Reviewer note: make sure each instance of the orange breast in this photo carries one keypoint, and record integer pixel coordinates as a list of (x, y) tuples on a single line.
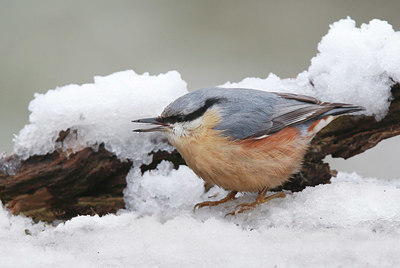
[(245, 165)]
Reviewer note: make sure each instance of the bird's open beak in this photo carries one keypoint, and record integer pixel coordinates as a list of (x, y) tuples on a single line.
[(155, 120)]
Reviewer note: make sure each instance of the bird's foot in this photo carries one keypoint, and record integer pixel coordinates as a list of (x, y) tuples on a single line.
[(230, 196), (260, 199)]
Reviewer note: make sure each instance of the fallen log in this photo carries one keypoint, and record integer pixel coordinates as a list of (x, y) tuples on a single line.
[(61, 185)]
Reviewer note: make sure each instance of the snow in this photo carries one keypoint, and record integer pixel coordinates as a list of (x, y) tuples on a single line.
[(354, 65), (101, 113), (353, 221)]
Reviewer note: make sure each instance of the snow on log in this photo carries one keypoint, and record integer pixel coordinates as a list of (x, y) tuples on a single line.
[(61, 185)]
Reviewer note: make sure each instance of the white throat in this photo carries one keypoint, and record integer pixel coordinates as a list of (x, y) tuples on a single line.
[(184, 129)]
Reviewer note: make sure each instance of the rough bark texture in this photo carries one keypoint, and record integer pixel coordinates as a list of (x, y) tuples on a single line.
[(58, 186)]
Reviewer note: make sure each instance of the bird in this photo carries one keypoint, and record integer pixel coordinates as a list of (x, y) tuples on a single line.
[(244, 140)]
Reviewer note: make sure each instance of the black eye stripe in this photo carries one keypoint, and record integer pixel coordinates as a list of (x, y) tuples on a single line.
[(192, 116), (172, 119)]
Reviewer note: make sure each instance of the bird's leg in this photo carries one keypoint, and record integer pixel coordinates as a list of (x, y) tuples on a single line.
[(261, 198), (230, 196)]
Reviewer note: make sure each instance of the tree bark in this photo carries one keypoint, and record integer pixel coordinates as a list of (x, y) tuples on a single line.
[(59, 185)]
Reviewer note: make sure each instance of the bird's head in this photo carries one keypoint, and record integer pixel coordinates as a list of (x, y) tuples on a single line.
[(185, 116)]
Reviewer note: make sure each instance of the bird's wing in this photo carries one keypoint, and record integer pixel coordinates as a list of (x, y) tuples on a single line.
[(293, 109), (269, 113)]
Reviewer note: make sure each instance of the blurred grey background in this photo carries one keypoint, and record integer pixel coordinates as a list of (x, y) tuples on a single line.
[(45, 44)]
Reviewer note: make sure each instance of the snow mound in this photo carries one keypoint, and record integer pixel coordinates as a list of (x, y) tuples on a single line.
[(354, 65), (351, 200), (101, 113), (163, 191), (351, 222)]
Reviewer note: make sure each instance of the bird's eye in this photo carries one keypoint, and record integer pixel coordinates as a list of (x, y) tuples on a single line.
[(180, 118)]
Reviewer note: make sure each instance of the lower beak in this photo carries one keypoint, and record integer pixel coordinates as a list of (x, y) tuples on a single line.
[(161, 126)]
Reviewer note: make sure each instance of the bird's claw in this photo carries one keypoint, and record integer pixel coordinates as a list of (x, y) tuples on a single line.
[(247, 206), (203, 204), (241, 208), (232, 213), (230, 196)]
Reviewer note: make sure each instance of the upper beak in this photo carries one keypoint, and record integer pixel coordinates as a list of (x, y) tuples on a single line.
[(154, 120)]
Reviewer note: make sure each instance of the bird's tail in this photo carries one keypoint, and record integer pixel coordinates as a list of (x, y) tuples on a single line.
[(341, 108)]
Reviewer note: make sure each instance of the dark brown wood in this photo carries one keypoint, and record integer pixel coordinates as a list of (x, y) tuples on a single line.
[(61, 185)]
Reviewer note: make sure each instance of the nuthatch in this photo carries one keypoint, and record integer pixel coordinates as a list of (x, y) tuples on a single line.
[(244, 139)]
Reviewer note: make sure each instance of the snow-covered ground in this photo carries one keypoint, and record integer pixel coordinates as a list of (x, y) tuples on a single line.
[(352, 222)]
